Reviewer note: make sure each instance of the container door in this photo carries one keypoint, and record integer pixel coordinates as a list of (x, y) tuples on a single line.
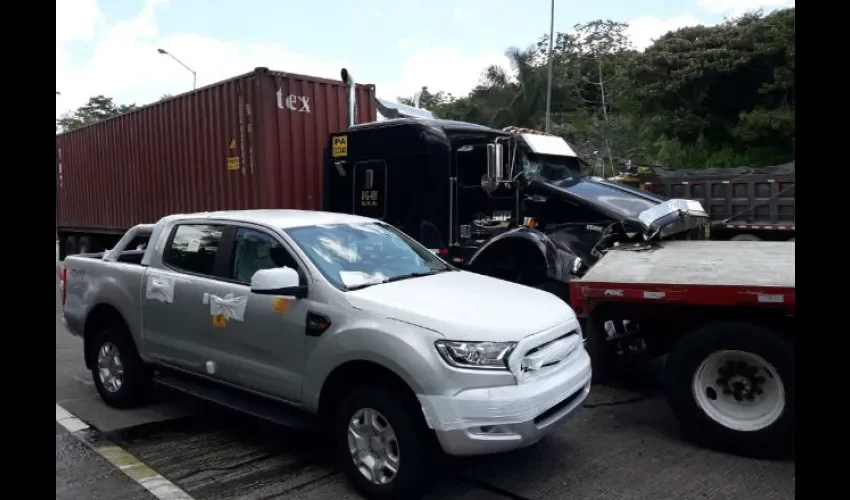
[(370, 189)]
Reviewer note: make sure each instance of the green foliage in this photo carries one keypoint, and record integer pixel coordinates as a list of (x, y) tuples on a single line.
[(699, 97), (96, 109)]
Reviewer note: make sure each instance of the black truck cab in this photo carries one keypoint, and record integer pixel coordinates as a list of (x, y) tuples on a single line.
[(502, 203)]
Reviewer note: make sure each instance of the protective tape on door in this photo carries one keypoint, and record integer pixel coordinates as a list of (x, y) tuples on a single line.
[(229, 306)]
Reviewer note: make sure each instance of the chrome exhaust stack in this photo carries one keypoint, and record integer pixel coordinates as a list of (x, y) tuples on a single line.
[(351, 105)]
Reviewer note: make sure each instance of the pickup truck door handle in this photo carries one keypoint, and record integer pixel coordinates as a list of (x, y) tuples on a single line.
[(316, 324)]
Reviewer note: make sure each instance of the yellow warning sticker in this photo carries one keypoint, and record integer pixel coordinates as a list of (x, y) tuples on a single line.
[(233, 163), (339, 146), (280, 304), (219, 321), (232, 144)]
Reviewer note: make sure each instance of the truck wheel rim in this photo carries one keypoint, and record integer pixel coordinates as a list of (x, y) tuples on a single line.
[(373, 446), (739, 390), (110, 370)]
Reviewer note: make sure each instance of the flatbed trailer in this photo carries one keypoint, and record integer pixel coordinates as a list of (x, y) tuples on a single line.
[(723, 312)]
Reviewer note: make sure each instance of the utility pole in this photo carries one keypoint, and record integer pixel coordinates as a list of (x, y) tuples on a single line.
[(549, 82)]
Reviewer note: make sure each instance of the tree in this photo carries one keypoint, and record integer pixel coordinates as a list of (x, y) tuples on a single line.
[(96, 109), (726, 92), (701, 96)]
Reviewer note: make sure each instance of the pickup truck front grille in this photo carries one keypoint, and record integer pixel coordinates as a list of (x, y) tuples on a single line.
[(550, 353)]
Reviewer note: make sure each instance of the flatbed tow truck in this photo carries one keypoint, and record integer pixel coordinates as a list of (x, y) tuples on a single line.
[(725, 314)]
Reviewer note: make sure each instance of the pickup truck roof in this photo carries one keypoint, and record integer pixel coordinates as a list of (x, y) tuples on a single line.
[(281, 219)]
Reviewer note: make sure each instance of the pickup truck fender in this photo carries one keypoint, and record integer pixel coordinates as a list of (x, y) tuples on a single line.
[(405, 350), (102, 300), (529, 251)]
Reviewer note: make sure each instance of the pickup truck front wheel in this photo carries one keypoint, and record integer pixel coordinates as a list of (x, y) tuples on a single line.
[(382, 444), (119, 374)]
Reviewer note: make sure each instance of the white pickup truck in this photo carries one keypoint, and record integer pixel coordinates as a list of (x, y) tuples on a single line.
[(313, 318)]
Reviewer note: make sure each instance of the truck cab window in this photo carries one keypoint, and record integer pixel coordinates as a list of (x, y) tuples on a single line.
[(550, 168), (193, 248), (254, 251)]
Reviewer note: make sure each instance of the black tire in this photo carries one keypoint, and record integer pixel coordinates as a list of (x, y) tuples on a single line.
[(136, 377), (71, 245), (85, 245), (416, 457), (777, 439)]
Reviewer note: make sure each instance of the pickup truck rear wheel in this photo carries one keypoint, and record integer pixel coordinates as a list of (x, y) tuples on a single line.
[(731, 386), (119, 374), (383, 444)]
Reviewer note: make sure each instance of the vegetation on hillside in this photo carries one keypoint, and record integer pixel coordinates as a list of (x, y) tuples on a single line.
[(701, 96)]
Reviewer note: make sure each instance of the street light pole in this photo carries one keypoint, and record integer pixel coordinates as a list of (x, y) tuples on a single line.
[(194, 75), (549, 82)]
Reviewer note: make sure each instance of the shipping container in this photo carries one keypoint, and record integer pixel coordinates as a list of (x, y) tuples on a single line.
[(253, 141)]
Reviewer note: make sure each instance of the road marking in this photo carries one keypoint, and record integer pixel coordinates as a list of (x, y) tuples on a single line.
[(135, 469)]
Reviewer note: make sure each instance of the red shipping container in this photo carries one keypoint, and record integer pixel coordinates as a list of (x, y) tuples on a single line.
[(253, 141)]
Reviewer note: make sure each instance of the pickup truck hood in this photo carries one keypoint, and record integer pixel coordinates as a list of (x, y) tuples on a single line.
[(465, 306)]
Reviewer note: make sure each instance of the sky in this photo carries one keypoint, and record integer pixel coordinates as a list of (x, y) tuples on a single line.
[(110, 47)]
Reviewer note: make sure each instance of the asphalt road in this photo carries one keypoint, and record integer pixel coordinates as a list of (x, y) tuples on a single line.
[(620, 446)]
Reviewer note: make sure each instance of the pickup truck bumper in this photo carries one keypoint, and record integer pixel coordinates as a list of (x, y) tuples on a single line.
[(496, 419)]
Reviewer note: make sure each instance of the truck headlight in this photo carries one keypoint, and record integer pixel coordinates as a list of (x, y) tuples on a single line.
[(478, 355)]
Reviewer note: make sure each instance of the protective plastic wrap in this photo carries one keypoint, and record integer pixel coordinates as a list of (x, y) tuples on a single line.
[(531, 366), (539, 388), (160, 288), (230, 306), (534, 394)]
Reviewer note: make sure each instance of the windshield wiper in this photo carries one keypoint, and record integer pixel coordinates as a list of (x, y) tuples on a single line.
[(396, 278)]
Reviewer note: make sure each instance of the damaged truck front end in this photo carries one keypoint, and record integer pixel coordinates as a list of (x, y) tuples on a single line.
[(569, 222)]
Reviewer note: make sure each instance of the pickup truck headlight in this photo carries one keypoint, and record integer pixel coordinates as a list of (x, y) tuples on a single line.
[(477, 355)]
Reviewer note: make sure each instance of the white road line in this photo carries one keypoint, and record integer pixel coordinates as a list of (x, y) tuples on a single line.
[(135, 469)]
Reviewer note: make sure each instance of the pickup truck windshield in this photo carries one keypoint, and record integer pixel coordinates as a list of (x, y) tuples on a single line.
[(353, 256)]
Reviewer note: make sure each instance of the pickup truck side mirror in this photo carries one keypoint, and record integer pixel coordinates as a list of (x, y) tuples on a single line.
[(282, 281)]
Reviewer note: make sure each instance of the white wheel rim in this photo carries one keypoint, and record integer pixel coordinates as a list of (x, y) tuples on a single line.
[(739, 390)]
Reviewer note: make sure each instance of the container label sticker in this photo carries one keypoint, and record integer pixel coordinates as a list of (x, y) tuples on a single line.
[(194, 245), (339, 146), (281, 304), (233, 163)]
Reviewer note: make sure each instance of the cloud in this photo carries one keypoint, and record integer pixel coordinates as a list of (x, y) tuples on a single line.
[(644, 30), (124, 62), (438, 68), (738, 7)]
